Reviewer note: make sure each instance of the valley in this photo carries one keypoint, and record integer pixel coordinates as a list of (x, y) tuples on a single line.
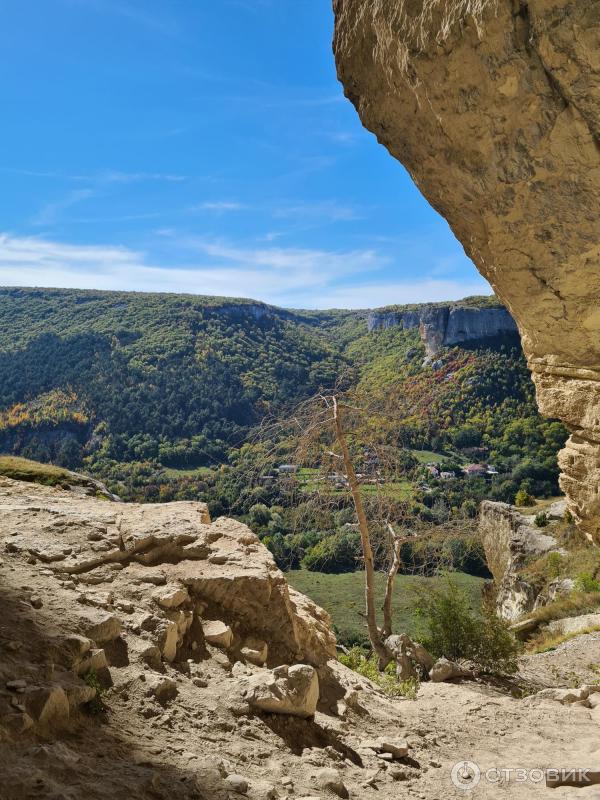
[(174, 397), (254, 550)]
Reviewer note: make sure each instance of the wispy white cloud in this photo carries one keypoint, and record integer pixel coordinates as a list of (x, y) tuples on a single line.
[(31, 173), (316, 266), (383, 293), (329, 210), (116, 176), (98, 183), (100, 220), (299, 278), (102, 177), (219, 206), (49, 213), (271, 236), (343, 137)]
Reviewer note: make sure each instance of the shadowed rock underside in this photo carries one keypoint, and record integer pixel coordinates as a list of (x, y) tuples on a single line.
[(494, 109)]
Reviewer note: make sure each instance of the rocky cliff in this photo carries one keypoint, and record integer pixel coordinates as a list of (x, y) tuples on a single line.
[(511, 540), (444, 326), (494, 108)]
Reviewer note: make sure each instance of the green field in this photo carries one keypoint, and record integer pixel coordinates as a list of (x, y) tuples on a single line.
[(429, 456), (196, 472), (343, 597), (308, 479), (399, 490)]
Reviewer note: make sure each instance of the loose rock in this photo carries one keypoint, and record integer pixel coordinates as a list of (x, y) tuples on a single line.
[(330, 779), (445, 670), (218, 633), (285, 690)]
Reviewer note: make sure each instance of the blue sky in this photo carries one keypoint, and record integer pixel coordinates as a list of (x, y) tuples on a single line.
[(203, 146)]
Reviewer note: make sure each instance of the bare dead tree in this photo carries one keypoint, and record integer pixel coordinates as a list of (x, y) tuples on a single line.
[(396, 542), (375, 635), (333, 431)]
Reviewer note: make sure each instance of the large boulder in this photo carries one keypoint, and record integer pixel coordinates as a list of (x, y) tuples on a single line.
[(446, 670), (413, 661), (285, 690), (494, 109), (194, 570)]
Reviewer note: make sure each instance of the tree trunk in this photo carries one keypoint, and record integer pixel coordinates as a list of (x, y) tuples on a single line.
[(396, 542), (374, 632)]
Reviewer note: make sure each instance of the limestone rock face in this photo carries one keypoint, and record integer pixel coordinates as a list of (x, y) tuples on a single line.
[(497, 119), (167, 571), (447, 325), (510, 540)]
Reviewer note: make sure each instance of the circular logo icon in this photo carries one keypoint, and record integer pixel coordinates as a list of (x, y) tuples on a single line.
[(466, 775)]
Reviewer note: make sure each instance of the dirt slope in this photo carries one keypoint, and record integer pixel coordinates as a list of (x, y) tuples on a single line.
[(128, 594)]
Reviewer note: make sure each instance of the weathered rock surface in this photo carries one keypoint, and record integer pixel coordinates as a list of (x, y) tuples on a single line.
[(175, 724), (330, 779), (564, 696), (510, 540), (413, 661), (497, 119), (217, 633), (397, 748), (170, 546), (445, 670), (447, 325), (285, 690), (572, 625)]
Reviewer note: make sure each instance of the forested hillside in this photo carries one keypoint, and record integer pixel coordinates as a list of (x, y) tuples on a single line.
[(112, 377), (162, 396)]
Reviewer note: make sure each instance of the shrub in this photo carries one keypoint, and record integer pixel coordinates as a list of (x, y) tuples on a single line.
[(337, 553), (554, 564), (469, 508), (96, 704), (523, 498), (453, 630), (541, 519), (259, 515), (357, 660), (585, 582)]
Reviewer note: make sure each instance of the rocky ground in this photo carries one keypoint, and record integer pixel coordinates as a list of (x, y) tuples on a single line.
[(146, 652)]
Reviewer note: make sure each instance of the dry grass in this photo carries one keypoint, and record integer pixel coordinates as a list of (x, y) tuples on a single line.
[(571, 605), (22, 469), (582, 560), (403, 28), (550, 640)]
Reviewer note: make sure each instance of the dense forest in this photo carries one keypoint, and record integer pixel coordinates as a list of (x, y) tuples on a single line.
[(163, 397)]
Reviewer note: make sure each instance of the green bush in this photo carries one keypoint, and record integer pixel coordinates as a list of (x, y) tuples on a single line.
[(451, 628), (523, 498), (337, 553), (357, 660), (541, 519), (96, 704), (554, 564), (259, 515), (586, 582)]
